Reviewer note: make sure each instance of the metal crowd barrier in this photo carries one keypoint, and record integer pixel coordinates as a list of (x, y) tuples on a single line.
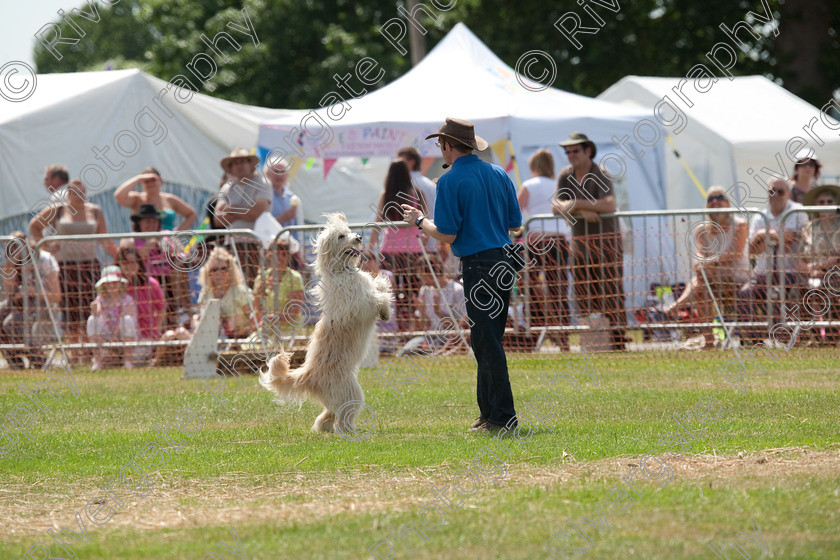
[(812, 279), (656, 248)]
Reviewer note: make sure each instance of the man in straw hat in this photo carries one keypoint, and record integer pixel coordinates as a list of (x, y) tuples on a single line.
[(241, 200), (475, 207), (821, 251), (585, 190)]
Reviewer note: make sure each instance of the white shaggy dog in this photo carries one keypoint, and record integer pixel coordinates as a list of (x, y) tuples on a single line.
[(351, 301)]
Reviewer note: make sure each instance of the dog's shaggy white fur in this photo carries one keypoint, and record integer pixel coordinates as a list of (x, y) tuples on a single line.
[(351, 301)]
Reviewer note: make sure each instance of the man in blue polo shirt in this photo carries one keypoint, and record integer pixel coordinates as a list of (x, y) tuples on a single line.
[(475, 207)]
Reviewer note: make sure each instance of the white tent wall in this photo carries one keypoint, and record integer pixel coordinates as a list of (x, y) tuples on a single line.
[(484, 90), (737, 126), (71, 114)]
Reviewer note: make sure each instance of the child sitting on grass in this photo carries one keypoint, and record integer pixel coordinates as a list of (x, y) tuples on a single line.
[(113, 318)]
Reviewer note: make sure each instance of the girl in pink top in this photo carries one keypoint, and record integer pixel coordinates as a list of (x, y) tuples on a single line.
[(148, 298), (402, 244)]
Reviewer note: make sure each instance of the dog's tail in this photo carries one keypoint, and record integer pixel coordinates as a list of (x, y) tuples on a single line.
[(277, 378)]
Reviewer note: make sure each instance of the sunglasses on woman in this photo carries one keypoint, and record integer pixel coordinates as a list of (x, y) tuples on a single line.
[(719, 197)]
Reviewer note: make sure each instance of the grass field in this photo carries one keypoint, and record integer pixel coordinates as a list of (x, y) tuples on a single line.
[(176, 468)]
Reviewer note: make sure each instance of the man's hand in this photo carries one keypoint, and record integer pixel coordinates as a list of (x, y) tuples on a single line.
[(561, 207), (287, 215), (410, 214), (590, 216)]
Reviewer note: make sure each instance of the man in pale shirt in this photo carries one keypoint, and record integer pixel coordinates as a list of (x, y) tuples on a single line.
[(56, 178), (241, 200), (285, 205), (765, 231), (423, 185)]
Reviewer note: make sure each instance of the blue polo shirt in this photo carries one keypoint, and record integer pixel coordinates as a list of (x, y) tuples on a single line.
[(476, 202)]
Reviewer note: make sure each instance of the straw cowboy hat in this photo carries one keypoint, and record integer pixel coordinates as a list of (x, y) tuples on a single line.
[(461, 131), (239, 153), (811, 196), (576, 138)]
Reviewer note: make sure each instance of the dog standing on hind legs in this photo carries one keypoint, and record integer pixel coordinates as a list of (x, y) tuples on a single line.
[(351, 301)]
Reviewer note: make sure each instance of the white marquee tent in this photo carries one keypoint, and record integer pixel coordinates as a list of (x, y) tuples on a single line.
[(70, 115), (736, 126), (462, 77)]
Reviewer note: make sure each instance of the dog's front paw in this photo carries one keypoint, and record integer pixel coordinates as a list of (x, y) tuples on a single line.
[(385, 312), (382, 283)]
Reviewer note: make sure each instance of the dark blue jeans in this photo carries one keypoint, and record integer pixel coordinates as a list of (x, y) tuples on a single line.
[(488, 297)]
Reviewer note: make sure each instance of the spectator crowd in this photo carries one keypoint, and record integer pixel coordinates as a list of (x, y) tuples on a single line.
[(105, 311)]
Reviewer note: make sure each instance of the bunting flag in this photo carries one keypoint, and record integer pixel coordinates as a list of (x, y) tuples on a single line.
[(425, 164), (328, 164), (198, 237), (498, 148), (365, 160), (309, 163), (294, 166), (513, 165), (509, 167)]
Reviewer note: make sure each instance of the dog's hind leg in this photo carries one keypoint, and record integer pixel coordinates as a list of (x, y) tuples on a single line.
[(324, 422), (348, 410)]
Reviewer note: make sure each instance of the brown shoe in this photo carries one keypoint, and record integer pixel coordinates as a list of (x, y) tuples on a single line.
[(488, 427), (477, 424)]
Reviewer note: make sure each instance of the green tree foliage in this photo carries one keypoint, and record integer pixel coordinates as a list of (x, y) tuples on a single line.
[(118, 40), (303, 43)]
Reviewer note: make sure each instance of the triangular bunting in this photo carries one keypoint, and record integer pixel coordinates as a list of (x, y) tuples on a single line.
[(309, 163), (425, 164), (498, 148), (294, 166), (365, 160), (513, 163), (328, 164)]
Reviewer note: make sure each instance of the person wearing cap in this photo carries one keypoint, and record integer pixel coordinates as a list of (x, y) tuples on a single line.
[(475, 209), (240, 202), (821, 246), (806, 171), (169, 205), (112, 313), (586, 190)]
